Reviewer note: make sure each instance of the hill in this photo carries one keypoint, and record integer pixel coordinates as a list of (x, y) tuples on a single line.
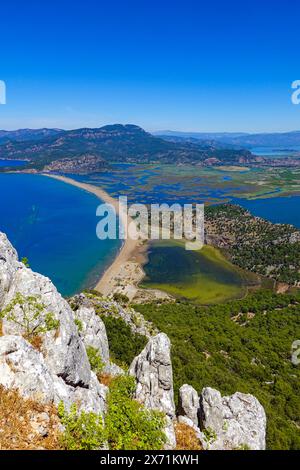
[(274, 140), (22, 135), (120, 143)]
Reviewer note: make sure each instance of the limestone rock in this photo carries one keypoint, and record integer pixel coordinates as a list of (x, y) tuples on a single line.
[(8, 266), (232, 422), (189, 403), (152, 369), (93, 399), (114, 370), (63, 350), (93, 331), (23, 368)]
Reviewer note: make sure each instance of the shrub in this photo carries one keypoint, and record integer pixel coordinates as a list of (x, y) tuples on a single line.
[(95, 359), (32, 319), (186, 438), (124, 345), (121, 298), (24, 260), (79, 324), (130, 426), (83, 431)]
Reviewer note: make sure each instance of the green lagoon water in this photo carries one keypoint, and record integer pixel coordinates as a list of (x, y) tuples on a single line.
[(203, 276), (53, 224)]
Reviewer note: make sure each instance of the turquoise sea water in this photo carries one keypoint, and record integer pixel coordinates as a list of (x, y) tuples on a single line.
[(53, 224)]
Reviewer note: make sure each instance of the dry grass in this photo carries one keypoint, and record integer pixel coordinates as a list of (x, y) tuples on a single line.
[(36, 341), (186, 438), (16, 417), (105, 379)]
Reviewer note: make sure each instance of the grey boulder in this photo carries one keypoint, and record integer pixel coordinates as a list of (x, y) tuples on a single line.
[(232, 422)]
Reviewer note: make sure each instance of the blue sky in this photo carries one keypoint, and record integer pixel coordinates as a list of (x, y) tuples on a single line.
[(184, 65)]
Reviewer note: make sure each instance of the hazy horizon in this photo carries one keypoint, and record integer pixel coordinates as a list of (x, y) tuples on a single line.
[(154, 131)]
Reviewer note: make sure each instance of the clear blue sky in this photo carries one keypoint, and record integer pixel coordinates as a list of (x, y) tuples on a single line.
[(184, 65)]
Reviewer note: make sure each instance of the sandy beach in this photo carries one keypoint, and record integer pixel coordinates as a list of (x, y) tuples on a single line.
[(130, 247)]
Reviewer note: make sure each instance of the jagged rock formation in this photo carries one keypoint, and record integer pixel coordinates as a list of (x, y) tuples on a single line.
[(238, 421), (93, 332), (61, 371), (58, 368), (231, 422), (152, 370), (189, 403), (109, 307)]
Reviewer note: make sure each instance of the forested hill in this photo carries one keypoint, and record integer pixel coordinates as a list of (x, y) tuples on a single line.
[(255, 244), (127, 143)]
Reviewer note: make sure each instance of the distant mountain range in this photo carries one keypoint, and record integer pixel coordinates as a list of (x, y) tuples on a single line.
[(22, 135), (271, 140), (115, 143)]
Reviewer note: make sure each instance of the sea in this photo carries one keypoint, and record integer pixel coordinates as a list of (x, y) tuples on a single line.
[(53, 224)]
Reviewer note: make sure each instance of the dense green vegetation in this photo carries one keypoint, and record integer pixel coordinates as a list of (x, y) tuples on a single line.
[(255, 244), (124, 345), (95, 359), (242, 346), (129, 426), (204, 276), (83, 431)]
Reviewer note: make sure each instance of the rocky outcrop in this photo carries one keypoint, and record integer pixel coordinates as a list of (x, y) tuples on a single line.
[(92, 331), (152, 370), (188, 404), (61, 370), (23, 368), (109, 307), (57, 369), (232, 422), (63, 351)]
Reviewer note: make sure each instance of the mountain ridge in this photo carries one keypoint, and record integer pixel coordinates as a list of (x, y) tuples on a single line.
[(120, 143)]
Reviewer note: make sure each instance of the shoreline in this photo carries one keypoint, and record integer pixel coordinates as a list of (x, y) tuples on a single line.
[(129, 249)]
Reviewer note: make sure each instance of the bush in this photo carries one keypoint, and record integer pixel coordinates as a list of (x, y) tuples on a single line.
[(130, 426), (121, 298), (32, 319), (95, 359), (83, 431), (123, 344)]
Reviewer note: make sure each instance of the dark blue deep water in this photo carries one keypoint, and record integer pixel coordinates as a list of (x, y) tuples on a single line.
[(53, 224), (283, 210), (12, 163)]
